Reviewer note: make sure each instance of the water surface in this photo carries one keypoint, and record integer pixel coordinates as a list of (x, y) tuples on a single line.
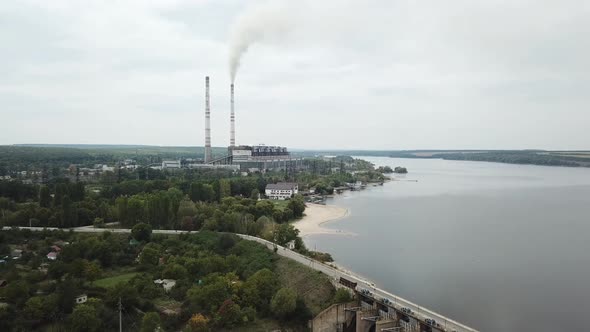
[(496, 246)]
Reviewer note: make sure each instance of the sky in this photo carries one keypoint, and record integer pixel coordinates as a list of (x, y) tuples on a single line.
[(330, 74)]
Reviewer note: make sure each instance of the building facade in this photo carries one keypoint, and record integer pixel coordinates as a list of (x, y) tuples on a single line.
[(281, 190)]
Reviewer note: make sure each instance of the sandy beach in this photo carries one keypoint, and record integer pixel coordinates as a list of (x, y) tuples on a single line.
[(316, 215)]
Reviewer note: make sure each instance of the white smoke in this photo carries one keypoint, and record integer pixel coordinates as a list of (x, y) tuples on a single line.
[(270, 21)]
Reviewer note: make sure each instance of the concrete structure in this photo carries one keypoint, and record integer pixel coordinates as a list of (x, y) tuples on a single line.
[(247, 157), (281, 190), (208, 155), (233, 168), (260, 157), (334, 318), (171, 164), (232, 134)]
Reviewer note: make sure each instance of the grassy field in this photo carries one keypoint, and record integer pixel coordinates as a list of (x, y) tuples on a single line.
[(280, 204), (314, 287), (112, 281)]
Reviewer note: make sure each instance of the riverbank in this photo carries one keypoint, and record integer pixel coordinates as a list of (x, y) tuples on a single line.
[(316, 215)]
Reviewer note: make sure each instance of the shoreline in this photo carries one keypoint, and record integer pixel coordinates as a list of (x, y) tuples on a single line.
[(316, 215)]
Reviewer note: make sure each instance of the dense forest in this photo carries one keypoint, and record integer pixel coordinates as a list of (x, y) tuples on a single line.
[(206, 281)]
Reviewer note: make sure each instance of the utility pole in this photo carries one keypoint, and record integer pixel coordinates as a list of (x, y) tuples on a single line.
[(120, 316)]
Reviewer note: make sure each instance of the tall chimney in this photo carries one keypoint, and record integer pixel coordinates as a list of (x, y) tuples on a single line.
[(232, 135), (207, 122)]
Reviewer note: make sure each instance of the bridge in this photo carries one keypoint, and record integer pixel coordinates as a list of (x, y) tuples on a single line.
[(377, 305)]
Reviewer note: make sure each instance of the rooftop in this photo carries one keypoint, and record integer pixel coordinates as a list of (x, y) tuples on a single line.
[(281, 186)]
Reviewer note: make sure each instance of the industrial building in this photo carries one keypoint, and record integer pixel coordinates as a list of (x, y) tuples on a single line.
[(245, 157), (281, 190)]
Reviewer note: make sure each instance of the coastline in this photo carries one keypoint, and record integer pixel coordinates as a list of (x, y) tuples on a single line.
[(316, 215)]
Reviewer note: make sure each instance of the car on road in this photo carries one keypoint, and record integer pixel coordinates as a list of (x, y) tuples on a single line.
[(386, 301), (430, 321), (406, 310), (365, 292)]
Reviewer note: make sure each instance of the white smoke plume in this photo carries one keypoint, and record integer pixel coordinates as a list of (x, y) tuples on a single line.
[(270, 22)]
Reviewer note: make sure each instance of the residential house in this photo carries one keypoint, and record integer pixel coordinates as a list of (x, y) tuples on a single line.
[(167, 284), (82, 298)]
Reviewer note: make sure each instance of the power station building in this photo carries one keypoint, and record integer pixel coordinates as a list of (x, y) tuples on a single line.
[(245, 157)]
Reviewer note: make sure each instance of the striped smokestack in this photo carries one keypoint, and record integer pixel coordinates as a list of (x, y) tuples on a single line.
[(207, 122), (232, 134)]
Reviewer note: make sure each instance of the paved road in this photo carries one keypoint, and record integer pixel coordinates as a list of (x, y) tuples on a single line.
[(418, 312)]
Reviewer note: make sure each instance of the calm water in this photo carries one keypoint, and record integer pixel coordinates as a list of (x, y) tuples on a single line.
[(498, 247)]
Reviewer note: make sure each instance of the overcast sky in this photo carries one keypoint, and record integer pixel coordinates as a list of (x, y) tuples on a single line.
[(342, 74)]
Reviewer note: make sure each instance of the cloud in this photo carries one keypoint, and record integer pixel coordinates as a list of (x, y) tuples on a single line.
[(400, 74)]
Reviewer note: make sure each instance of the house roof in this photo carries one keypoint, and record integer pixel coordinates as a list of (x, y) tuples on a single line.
[(281, 186)]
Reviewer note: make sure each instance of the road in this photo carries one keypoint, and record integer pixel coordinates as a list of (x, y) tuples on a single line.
[(418, 312)]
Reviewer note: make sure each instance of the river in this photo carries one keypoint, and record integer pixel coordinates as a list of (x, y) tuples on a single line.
[(498, 247)]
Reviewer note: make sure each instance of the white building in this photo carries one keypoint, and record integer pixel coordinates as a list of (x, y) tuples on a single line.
[(81, 299), (167, 284), (281, 190), (170, 164)]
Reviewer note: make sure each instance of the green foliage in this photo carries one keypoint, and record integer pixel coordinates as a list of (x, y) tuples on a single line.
[(16, 292), (258, 290), (285, 233), (174, 271), (283, 303), (211, 294), (115, 280), (150, 322), (342, 296), (229, 314), (142, 232), (297, 205), (84, 318)]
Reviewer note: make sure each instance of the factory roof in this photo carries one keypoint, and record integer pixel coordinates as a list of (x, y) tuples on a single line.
[(281, 186)]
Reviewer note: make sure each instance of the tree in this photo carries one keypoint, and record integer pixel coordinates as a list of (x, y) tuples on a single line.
[(259, 288), (255, 194), (17, 292), (283, 303), (211, 294), (142, 232), (342, 296), (34, 308), (44, 197), (224, 188), (84, 318), (285, 233), (198, 323), (174, 271), (70, 214), (149, 256), (91, 271), (124, 291), (229, 314), (135, 210), (121, 204), (151, 322), (297, 205)]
